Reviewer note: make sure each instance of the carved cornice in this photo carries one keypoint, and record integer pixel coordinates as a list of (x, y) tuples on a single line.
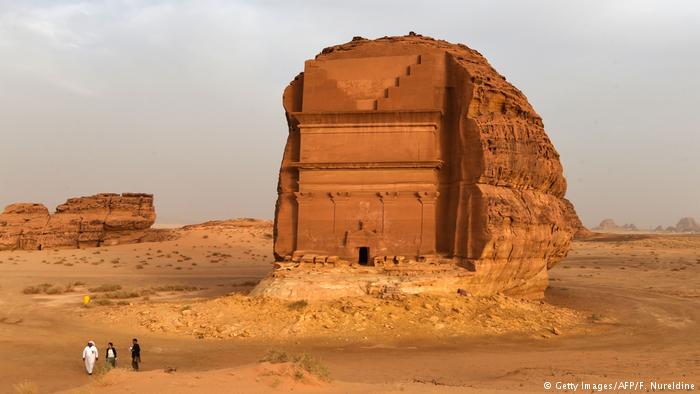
[(369, 165)]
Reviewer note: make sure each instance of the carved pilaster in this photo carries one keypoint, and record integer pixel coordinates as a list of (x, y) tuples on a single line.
[(387, 199), (340, 207), (428, 201)]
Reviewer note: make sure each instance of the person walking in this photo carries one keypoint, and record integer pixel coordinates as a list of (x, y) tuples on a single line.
[(90, 356), (135, 354), (111, 355)]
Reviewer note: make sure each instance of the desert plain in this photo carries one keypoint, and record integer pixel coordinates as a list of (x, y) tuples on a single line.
[(619, 308)]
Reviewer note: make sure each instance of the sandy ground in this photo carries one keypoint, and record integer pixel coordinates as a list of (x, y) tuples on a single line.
[(620, 308)]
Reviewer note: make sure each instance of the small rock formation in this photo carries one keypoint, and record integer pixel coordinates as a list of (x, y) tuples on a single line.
[(413, 162), (609, 225), (687, 225), (102, 219)]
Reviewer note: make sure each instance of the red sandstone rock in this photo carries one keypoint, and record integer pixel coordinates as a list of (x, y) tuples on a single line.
[(21, 225), (580, 230), (102, 219), (415, 147)]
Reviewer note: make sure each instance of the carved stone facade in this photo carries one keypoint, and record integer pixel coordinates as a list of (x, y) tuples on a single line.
[(414, 149)]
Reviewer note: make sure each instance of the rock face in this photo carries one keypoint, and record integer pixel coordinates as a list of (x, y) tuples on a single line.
[(102, 219), (406, 150), (580, 231)]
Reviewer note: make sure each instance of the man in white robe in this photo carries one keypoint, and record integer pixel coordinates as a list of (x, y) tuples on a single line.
[(90, 356)]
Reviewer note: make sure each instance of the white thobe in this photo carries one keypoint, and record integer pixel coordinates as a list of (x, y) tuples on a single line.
[(90, 355)]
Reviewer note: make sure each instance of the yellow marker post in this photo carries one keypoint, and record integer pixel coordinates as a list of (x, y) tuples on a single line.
[(86, 300)]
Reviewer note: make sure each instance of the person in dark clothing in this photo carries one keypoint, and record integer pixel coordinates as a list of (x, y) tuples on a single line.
[(111, 355), (135, 354)]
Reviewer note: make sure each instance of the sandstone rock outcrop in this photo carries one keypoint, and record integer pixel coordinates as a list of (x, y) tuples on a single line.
[(411, 149), (102, 219), (580, 231)]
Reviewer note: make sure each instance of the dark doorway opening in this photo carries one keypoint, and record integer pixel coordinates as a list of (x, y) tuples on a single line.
[(363, 258)]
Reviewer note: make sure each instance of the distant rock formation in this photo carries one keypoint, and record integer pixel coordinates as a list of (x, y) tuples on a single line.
[(609, 225), (415, 150), (687, 225), (102, 219)]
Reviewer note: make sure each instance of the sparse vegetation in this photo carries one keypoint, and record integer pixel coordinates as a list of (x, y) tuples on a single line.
[(105, 288), (122, 294), (26, 387), (174, 288), (298, 305), (303, 363), (46, 288)]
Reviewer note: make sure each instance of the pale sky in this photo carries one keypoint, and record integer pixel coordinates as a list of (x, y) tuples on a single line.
[(183, 98)]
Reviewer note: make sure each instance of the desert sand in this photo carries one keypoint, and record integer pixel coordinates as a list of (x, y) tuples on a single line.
[(619, 307)]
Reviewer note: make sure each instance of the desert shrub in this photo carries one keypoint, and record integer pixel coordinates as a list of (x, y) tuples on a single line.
[(174, 288), (275, 357), (26, 387), (105, 288), (102, 302), (298, 305), (54, 290), (121, 294), (312, 365), (303, 363), (46, 288), (122, 302)]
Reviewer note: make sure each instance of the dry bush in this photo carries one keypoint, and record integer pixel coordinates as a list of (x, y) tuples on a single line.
[(303, 363), (54, 291), (105, 288), (298, 305), (275, 357), (122, 294), (46, 288), (311, 365), (174, 288), (26, 387)]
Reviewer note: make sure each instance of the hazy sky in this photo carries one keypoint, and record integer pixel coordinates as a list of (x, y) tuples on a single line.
[(183, 98)]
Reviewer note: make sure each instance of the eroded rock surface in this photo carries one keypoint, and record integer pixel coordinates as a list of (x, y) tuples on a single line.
[(410, 149), (105, 218)]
